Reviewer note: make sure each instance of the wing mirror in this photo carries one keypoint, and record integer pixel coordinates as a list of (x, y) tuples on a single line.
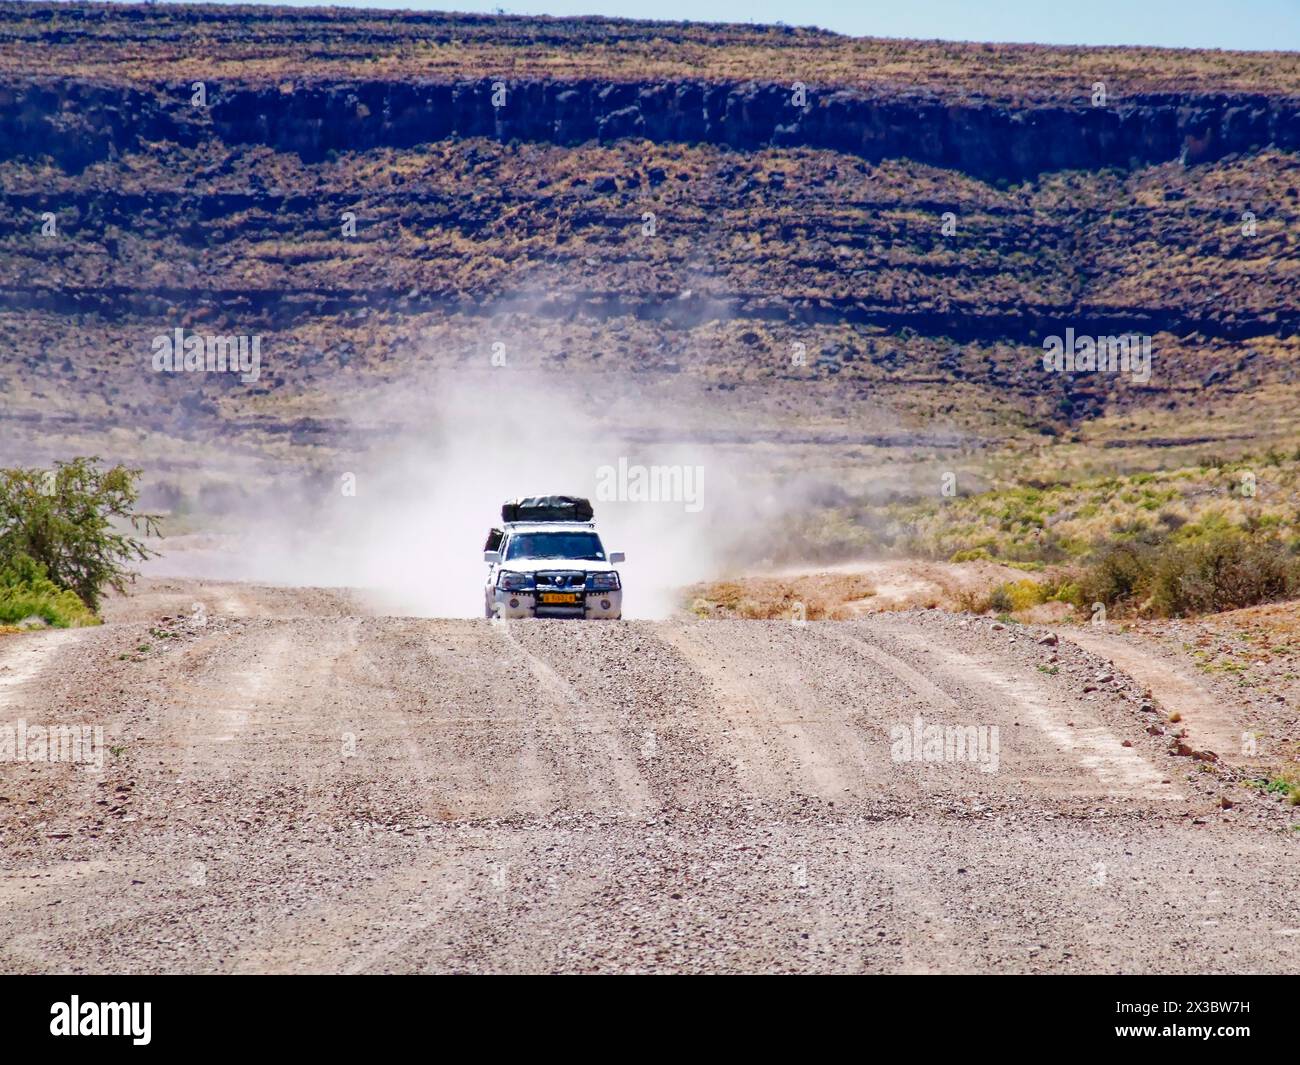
[(615, 557), (491, 557)]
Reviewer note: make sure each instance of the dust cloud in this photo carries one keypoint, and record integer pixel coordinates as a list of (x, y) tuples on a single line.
[(402, 509)]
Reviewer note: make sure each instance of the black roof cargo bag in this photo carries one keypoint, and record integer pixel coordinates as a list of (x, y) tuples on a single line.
[(546, 508)]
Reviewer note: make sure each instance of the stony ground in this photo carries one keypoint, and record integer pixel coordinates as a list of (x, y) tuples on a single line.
[(293, 785)]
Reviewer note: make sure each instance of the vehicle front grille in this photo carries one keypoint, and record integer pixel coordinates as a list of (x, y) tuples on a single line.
[(562, 580)]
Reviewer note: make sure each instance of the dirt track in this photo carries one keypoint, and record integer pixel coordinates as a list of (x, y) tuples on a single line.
[(299, 787)]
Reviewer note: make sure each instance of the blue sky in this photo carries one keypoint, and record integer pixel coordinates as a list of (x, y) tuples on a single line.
[(1252, 24)]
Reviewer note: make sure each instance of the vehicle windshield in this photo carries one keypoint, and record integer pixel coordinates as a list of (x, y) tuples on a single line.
[(576, 545)]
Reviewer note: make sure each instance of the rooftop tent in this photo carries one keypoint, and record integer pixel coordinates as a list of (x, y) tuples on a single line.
[(546, 508)]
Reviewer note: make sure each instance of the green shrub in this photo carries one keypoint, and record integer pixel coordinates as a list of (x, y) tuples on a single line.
[(1000, 601), (27, 591), (69, 521), (1062, 592), (1203, 569), (1117, 574), (1024, 594), (1222, 572)]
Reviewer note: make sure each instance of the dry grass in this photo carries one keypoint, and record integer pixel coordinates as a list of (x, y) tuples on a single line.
[(868, 587), (815, 597), (1062, 521)]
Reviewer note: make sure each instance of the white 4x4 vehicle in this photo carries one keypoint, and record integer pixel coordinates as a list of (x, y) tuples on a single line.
[(550, 568)]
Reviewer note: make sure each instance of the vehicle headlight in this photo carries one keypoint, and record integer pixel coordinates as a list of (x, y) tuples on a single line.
[(603, 582), (509, 581)]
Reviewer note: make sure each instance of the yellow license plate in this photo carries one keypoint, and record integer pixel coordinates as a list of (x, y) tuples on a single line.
[(559, 597)]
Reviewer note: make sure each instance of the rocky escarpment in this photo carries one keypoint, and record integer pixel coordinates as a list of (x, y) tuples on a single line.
[(77, 123), (284, 307), (372, 190)]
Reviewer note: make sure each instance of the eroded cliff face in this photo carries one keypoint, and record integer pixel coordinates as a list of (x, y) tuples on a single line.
[(80, 122), (916, 222)]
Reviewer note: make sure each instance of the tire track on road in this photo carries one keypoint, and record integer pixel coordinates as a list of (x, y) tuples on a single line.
[(791, 725), (25, 657), (1007, 691), (1212, 724), (589, 742)]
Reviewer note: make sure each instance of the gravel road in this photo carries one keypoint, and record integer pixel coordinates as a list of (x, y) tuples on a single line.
[(292, 785)]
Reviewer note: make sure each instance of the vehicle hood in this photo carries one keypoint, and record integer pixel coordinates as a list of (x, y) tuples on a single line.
[(532, 565)]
